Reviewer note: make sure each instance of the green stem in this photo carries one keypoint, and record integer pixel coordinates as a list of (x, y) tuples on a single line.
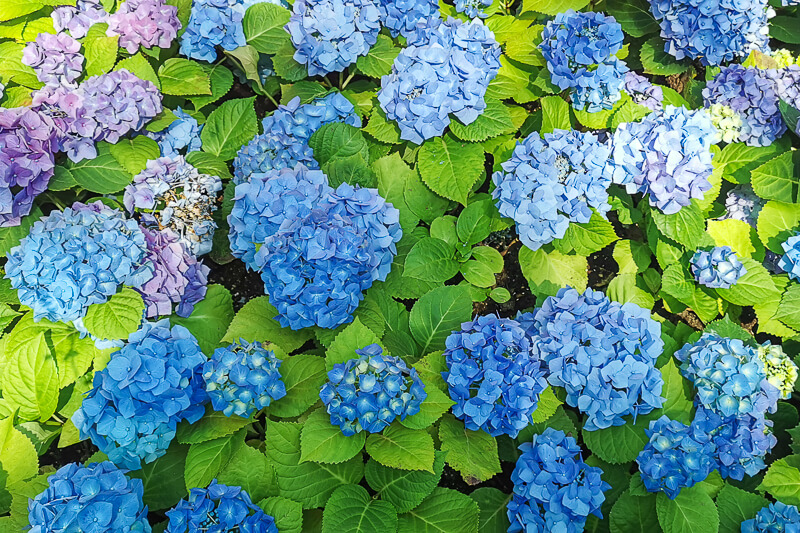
[(350, 77), (271, 99)]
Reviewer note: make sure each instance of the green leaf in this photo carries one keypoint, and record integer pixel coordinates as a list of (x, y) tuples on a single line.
[(433, 407), (11, 67), (692, 511), (139, 66), (437, 314), (303, 375), (221, 79), (229, 127), (383, 130), (549, 272), (246, 58), (784, 28), (182, 77), (101, 175), (444, 511), (250, 469), (133, 154), (473, 453), (288, 514), (677, 393), (10, 236), (634, 514), (755, 286), (213, 425), (117, 318), (738, 160), (338, 140), (431, 260), (679, 284), (423, 202), (776, 223), (19, 458), (733, 233), (30, 381), (163, 480), (450, 167), (378, 62), (618, 444), (351, 510), (206, 460), (210, 318), (352, 169), (11, 9), (256, 322), (100, 50), (392, 174), (354, 336), (553, 7), (684, 227), (735, 506), (590, 237), (492, 503), (656, 61), (782, 480), (264, 27), (555, 114), (634, 17), (285, 65), (403, 448), (478, 274), (475, 222), (322, 442), (495, 120), (776, 179), (405, 489)]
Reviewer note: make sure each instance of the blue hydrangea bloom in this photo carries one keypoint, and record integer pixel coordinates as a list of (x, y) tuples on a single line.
[(728, 375), (743, 204), (494, 375), (775, 517), (602, 352), (149, 385), (473, 8), (74, 258), (718, 269), (407, 17), (243, 377), (643, 92), (790, 262), (751, 94), (552, 181), (787, 83), (667, 156), (218, 509), (554, 490), (213, 23), (92, 499), (330, 35), (180, 137), (284, 142), (368, 393), (713, 31)]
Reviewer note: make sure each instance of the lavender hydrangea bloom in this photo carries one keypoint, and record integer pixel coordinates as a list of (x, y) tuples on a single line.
[(79, 18), (718, 269), (554, 490), (779, 368), (153, 382), (77, 257), (219, 508), (667, 155), (714, 32), (93, 498), (56, 59), (494, 375), (790, 261), (775, 517), (369, 392), (178, 278), (552, 181), (329, 35), (743, 204), (787, 83), (171, 193), (602, 352), (181, 137), (643, 92), (242, 378), (145, 23), (407, 17), (473, 8), (213, 23), (27, 145)]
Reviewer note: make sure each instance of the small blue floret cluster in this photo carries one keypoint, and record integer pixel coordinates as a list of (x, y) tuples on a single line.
[(790, 262), (775, 517), (718, 269), (213, 23), (180, 137), (407, 17)]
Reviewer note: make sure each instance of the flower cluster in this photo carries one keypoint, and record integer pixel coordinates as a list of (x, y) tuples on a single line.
[(284, 142), (554, 490), (407, 17), (77, 257), (27, 145), (784, 57), (145, 23), (153, 382), (445, 69), (787, 83), (743, 204), (602, 352), (242, 378), (579, 49), (473, 8), (213, 23), (643, 92), (776, 517), (726, 121), (552, 181), (667, 155), (790, 261), (718, 269), (56, 59), (79, 18), (180, 137), (171, 193), (780, 370), (754, 97), (494, 375), (368, 393), (712, 31), (330, 35), (219, 508), (97, 497)]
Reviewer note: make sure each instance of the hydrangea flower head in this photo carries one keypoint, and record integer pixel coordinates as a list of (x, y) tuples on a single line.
[(171, 193), (153, 382), (667, 156), (718, 269), (494, 375), (743, 204), (74, 258), (368, 393), (727, 122), (775, 517), (217, 509), (552, 181), (473, 8), (602, 352), (407, 17), (145, 23), (643, 92), (790, 261), (779, 368), (79, 18), (56, 59), (787, 83), (242, 378), (94, 498), (213, 23), (180, 137), (784, 57), (554, 490)]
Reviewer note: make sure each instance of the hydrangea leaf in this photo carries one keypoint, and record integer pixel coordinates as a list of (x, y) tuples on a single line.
[(392, 174), (206, 163), (444, 510), (184, 77), (30, 381), (776, 223), (473, 453), (10, 236), (100, 50), (213, 425), (382, 129), (782, 480), (634, 17), (553, 7), (588, 238), (343, 348), (789, 308), (776, 180), (403, 448), (288, 514), (350, 509), (692, 511), (474, 223), (423, 202), (433, 407), (229, 127), (133, 154), (679, 284), (549, 272), (221, 79), (733, 233), (102, 175), (285, 66), (677, 394), (11, 67), (656, 61), (162, 479), (790, 115), (784, 28), (736, 505), (18, 8), (303, 375), (450, 167), (250, 469), (322, 442), (306, 90), (378, 62), (431, 260), (338, 140), (492, 503), (210, 319), (436, 314), (19, 458), (352, 169), (255, 322), (246, 58), (405, 489), (684, 227), (555, 114), (205, 460), (495, 120), (140, 67), (618, 444), (634, 514), (263, 26), (738, 160), (755, 286), (547, 406)]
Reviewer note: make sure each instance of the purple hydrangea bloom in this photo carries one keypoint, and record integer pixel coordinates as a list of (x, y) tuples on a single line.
[(667, 156), (213, 23), (743, 204), (27, 145), (407, 17), (330, 35), (602, 352), (473, 8), (153, 382), (93, 498), (552, 181), (554, 490), (178, 278), (219, 508), (74, 258), (79, 18), (56, 59), (242, 378), (145, 23), (713, 31), (181, 137), (494, 375), (790, 262), (787, 83), (718, 269), (775, 517), (369, 392), (643, 92), (171, 193)]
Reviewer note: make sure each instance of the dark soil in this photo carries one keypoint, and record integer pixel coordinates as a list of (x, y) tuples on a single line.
[(234, 276)]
